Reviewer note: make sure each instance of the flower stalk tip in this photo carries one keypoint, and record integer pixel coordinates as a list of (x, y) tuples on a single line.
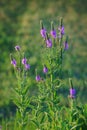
[(45, 69), (53, 31), (38, 78), (72, 90), (24, 61), (13, 62), (17, 48)]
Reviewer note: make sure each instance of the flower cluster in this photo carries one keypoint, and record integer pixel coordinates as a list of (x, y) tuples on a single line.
[(26, 65), (23, 61), (45, 71), (53, 34)]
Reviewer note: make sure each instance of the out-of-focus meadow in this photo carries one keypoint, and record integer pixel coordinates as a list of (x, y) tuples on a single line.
[(19, 25)]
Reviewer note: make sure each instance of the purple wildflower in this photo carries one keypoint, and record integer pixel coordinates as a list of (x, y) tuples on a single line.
[(17, 48), (43, 32), (13, 61), (27, 66), (72, 93), (24, 60), (48, 43), (66, 46), (38, 78), (61, 29), (45, 69), (53, 33)]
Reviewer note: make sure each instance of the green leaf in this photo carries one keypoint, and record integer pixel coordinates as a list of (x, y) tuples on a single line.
[(36, 123), (42, 119), (75, 126)]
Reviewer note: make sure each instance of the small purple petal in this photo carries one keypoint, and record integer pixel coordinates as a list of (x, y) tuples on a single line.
[(38, 78), (61, 29), (49, 43), (53, 33), (27, 66), (45, 69), (43, 32), (17, 48), (24, 60), (13, 61), (72, 92), (66, 46)]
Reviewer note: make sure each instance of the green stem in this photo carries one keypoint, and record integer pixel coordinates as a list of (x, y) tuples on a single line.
[(61, 62)]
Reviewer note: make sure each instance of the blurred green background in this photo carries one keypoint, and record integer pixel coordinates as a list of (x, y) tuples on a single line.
[(19, 25)]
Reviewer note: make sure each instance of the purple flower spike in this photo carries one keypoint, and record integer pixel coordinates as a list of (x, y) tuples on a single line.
[(38, 78), (13, 61), (43, 32), (72, 92), (53, 33), (27, 66), (49, 43), (45, 69), (66, 46), (17, 48), (61, 29), (24, 60)]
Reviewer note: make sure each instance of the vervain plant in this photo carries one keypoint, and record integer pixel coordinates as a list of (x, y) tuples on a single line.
[(21, 98), (47, 111)]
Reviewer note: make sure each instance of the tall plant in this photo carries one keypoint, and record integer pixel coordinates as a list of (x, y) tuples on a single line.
[(47, 111)]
